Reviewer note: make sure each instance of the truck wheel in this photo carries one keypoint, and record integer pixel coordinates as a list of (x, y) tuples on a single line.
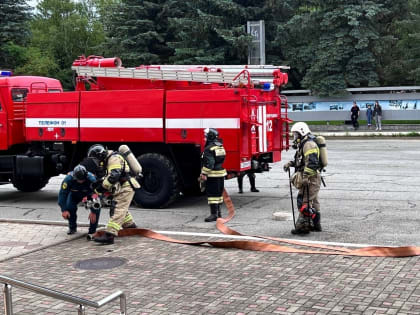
[(160, 185), (29, 184)]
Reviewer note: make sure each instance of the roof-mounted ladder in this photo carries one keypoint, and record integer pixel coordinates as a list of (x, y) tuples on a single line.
[(230, 74)]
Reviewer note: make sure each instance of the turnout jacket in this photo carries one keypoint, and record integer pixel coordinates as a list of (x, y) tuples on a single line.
[(212, 159), (80, 190), (307, 156), (118, 173)]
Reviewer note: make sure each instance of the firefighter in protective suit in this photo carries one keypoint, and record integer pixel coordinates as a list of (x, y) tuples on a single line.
[(212, 172), (306, 178), (121, 185)]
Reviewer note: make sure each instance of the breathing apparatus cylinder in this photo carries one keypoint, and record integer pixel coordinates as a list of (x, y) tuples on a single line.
[(135, 167), (323, 154)]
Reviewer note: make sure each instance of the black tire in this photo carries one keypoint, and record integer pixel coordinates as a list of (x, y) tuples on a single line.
[(160, 182), (29, 184)]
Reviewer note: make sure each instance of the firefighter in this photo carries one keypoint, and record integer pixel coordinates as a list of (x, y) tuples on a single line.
[(306, 178), (251, 177), (76, 186), (212, 172), (120, 184)]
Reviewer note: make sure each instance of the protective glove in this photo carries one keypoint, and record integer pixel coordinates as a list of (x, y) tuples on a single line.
[(305, 181), (287, 166)]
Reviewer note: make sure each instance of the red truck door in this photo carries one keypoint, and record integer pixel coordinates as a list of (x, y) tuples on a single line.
[(3, 126)]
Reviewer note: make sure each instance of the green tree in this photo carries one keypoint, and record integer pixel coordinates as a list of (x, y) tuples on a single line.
[(37, 62), (62, 30), (332, 44), (210, 31), (14, 32), (137, 31), (329, 44), (276, 14), (401, 57)]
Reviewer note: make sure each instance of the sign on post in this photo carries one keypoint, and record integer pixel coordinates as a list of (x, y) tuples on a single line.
[(256, 54)]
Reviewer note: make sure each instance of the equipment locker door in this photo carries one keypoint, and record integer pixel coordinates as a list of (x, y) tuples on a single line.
[(3, 126), (129, 115), (52, 116)]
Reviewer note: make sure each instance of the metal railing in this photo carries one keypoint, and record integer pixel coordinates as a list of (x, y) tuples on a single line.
[(82, 303)]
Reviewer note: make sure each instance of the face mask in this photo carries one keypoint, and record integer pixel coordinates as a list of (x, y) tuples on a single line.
[(296, 140)]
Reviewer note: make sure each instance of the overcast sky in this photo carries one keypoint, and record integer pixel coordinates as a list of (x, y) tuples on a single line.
[(32, 2)]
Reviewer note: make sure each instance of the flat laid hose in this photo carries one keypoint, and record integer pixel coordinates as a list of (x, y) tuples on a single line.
[(373, 251)]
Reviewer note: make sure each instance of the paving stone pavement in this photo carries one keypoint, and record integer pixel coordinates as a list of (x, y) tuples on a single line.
[(165, 278), (20, 238)]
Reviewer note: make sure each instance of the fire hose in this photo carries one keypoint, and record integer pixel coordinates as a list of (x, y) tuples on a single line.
[(372, 251), (291, 198)]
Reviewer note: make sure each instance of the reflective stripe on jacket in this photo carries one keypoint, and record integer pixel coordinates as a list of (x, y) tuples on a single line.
[(307, 157), (212, 160), (116, 162)]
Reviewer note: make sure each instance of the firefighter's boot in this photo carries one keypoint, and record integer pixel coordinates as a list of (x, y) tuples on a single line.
[(130, 226), (219, 211), (71, 231), (106, 239), (252, 183), (240, 184), (302, 226), (317, 222), (213, 213)]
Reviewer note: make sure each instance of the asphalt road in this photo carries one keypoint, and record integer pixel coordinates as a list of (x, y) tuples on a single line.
[(372, 197)]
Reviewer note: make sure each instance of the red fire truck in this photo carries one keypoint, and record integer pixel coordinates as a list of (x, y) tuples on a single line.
[(160, 111)]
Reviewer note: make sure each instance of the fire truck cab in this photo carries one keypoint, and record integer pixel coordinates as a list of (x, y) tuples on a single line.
[(14, 148)]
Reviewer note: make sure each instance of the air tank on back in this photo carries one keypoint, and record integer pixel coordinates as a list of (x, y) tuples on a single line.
[(135, 167)]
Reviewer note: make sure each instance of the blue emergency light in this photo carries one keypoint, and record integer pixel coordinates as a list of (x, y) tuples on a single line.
[(268, 86), (5, 73)]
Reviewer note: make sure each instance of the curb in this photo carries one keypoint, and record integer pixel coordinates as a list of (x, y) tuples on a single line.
[(366, 134)]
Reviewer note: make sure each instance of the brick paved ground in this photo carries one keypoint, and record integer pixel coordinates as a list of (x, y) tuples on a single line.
[(163, 278), (17, 238)]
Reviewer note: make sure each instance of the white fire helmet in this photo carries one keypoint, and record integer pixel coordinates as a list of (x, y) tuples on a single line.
[(301, 128)]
